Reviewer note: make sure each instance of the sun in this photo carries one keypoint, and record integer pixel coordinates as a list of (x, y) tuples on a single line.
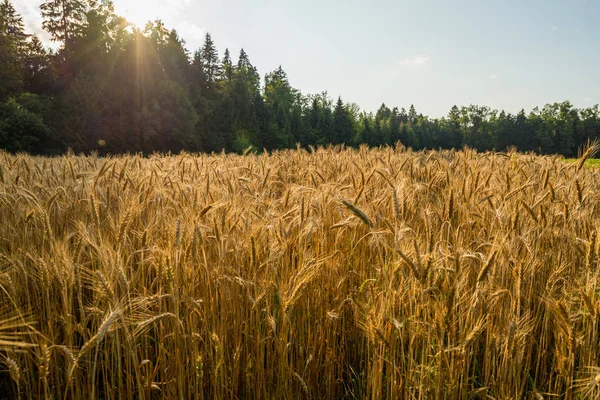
[(135, 21), (137, 13)]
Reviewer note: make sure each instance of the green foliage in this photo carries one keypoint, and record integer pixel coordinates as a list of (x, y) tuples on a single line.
[(343, 127), (21, 129), (176, 118), (38, 73), (210, 60), (591, 162), (280, 99), (11, 25), (112, 88), (242, 142), (79, 118), (365, 134), (63, 19), (13, 41), (11, 77)]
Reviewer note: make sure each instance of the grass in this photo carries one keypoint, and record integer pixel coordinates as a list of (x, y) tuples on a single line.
[(359, 274), (593, 162)]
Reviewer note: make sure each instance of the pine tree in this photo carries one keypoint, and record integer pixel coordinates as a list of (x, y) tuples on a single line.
[(227, 66), (38, 74), (453, 129), (394, 126), (249, 71), (342, 124), (412, 115), (408, 136), (279, 99), (241, 91), (174, 57), (243, 61), (198, 81), (403, 115), (314, 116), (382, 125), (11, 24), (210, 60), (365, 134), (63, 19), (98, 37), (12, 50)]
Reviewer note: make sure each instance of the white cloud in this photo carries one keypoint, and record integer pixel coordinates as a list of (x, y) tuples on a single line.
[(140, 12), (494, 77), (415, 61), (173, 14), (190, 31), (32, 17)]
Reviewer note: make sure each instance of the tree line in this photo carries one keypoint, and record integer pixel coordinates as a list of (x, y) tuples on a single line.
[(111, 87)]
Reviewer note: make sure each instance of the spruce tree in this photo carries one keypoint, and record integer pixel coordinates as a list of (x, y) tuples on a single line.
[(279, 99), (243, 60), (63, 19), (249, 71), (412, 115), (454, 132), (38, 74), (365, 134), (210, 60), (11, 24), (342, 124), (227, 66), (394, 126), (12, 49)]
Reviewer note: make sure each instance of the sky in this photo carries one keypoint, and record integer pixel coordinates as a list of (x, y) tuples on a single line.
[(508, 54)]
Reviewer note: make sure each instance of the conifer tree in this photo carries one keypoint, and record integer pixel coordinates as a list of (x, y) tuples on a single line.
[(12, 47), (11, 24), (342, 124), (227, 66), (210, 60), (63, 19), (38, 75)]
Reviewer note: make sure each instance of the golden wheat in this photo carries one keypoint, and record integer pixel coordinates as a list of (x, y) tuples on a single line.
[(445, 274)]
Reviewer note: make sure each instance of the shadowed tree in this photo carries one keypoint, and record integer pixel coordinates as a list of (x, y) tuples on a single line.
[(12, 48), (63, 19), (342, 124), (11, 25), (366, 134), (452, 136), (279, 100), (38, 73), (21, 129)]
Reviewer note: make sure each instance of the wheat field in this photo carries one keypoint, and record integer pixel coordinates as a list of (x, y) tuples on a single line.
[(325, 274)]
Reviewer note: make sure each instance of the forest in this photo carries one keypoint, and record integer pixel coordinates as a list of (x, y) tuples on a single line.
[(110, 87)]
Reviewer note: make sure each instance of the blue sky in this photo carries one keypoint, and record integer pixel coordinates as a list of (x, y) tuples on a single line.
[(433, 54)]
